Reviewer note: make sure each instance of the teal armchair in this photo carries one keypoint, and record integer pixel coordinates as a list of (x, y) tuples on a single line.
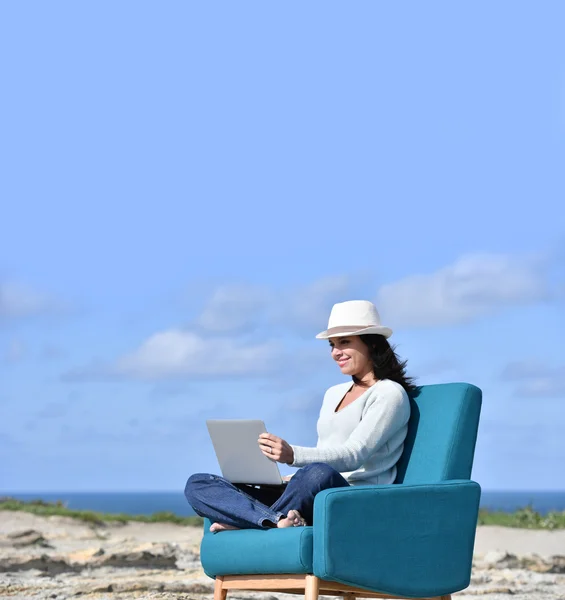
[(411, 539)]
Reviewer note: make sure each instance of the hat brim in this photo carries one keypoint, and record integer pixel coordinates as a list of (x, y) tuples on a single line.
[(345, 331)]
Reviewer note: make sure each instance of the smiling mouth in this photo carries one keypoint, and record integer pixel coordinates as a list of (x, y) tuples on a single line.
[(341, 363)]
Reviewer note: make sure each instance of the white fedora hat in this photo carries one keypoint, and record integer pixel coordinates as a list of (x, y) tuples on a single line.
[(355, 317)]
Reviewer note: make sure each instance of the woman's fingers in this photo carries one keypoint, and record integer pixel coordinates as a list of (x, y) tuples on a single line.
[(272, 455), (267, 440), (266, 448), (276, 448), (269, 443), (270, 449)]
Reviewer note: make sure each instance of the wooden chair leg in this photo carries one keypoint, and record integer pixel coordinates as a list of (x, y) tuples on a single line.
[(312, 588), (219, 592)]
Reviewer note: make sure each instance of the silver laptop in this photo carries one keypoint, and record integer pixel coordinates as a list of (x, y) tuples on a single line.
[(239, 455)]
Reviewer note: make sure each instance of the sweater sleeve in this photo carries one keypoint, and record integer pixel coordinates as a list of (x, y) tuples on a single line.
[(386, 415)]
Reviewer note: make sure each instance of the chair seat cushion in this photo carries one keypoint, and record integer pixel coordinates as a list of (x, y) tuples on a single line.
[(257, 551)]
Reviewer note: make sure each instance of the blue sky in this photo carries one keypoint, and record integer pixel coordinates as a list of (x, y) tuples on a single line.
[(187, 188)]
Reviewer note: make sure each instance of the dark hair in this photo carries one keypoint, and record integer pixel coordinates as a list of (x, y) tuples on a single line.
[(386, 364)]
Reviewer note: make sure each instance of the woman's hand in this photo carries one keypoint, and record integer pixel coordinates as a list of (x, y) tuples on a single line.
[(276, 448)]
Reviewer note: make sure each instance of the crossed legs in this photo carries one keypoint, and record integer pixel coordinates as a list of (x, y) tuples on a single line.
[(230, 507)]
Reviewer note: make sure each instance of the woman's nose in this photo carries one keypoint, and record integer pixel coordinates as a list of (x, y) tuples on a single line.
[(336, 352)]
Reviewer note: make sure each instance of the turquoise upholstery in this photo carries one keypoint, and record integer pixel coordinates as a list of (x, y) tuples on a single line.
[(407, 540), (413, 538), (441, 434), (253, 551)]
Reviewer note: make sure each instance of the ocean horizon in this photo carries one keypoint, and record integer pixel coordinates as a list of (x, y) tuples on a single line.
[(147, 503)]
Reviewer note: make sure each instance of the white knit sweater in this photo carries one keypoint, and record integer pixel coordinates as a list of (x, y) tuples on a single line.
[(364, 440)]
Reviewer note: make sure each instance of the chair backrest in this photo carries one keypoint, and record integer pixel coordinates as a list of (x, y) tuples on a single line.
[(442, 432)]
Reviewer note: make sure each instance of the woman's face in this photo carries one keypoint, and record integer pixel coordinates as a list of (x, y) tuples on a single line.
[(351, 355)]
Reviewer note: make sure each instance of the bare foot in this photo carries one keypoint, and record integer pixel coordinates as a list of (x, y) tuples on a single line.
[(221, 527), (292, 519)]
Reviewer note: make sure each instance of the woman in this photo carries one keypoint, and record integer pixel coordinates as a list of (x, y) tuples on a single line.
[(361, 432)]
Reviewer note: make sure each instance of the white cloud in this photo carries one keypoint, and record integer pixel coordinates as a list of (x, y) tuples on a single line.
[(473, 286), (18, 300), (241, 307), (233, 307), (308, 307), (525, 369), (231, 311), (544, 387), (178, 353), (536, 379)]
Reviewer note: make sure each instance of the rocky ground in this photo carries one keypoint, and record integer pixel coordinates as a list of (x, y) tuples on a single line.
[(58, 558)]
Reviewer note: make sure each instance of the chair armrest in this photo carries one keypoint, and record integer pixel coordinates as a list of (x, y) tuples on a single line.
[(206, 525), (400, 539)]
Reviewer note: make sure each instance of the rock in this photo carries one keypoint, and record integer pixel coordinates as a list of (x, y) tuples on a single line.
[(148, 561), (485, 591), (481, 578), (21, 539), (555, 564), (148, 556), (187, 587), (135, 586), (532, 562), (162, 556), (33, 539), (84, 556), (44, 562), (19, 534), (496, 558), (94, 588), (165, 582)]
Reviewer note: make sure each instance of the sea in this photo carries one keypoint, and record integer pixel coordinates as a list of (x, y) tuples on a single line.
[(147, 503)]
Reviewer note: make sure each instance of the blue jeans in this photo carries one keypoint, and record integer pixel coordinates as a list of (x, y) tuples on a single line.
[(248, 507)]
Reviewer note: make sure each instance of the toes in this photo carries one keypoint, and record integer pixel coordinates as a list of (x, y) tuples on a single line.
[(296, 518), (220, 527), (292, 519)]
